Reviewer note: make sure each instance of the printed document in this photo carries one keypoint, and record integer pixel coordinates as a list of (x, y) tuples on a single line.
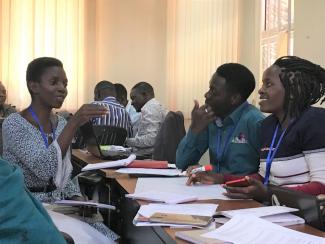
[(159, 196), (249, 229), (178, 185), (276, 214), (260, 211)]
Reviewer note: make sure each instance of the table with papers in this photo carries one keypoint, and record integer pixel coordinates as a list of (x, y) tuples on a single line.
[(129, 185), (121, 184)]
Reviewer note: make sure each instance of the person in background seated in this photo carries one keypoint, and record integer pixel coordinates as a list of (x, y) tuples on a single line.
[(5, 110), (293, 146), (152, 116), (38, 140), (23, 218), (105, 95), (121, 96), (226, 124)]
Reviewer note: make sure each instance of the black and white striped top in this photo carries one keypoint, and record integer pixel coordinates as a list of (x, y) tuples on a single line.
[(300, 158), (117, 115)]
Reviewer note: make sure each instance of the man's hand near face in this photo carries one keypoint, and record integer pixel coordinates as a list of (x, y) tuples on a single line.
[(201, 117)]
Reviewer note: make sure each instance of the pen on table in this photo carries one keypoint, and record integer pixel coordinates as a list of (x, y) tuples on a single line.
[(202, 169)]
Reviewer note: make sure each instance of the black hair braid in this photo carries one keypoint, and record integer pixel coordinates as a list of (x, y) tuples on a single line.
[(304, 84)]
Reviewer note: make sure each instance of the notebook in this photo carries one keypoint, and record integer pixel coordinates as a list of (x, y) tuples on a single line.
[(308, 205), (181, 219)]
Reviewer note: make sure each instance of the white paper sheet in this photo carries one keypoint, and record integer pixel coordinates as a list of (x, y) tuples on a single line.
[(82, 233), (285, 219), (260, 211), (143, 171), (177, 185), (84, 203), (249, 229), (155, 196), (111, 164), (203, 209)]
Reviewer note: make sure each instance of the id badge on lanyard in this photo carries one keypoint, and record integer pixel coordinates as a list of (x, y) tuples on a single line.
[(272, 152), (45, 139)]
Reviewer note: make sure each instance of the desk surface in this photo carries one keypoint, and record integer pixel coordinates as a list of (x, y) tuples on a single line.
[(129, 184)]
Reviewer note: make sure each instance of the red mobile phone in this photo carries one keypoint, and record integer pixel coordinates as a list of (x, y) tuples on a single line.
[(237, 183)]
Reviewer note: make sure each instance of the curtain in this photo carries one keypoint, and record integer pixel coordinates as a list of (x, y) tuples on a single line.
[(201, 35), (37, 28)]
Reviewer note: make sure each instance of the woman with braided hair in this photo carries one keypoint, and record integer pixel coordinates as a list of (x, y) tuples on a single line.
[(293, 145)]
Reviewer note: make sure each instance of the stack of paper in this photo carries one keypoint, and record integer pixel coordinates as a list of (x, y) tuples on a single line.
[(158, 196), (146, 211), (138, 165), (178, 185), (276, 214), (260, 211), (84, 203), (248, 229), (143, 171), (110, 164)]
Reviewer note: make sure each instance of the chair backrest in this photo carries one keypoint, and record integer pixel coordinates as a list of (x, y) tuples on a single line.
[(97, 135), (110, 135), (170, 134), (105, 135), (308, 205)]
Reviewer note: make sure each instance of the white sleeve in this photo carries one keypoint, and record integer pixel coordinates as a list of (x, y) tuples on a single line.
[(64, 168), (316, 163)]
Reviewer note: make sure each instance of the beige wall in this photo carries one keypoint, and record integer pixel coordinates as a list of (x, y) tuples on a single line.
[(309, 34), (127, 43)]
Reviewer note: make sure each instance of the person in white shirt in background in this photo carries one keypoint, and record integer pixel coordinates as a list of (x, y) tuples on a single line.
[(122, 98), (152, 116)]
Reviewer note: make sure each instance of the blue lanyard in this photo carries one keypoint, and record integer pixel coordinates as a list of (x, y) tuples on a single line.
[(271, 154), (40, 127), (221, 150)]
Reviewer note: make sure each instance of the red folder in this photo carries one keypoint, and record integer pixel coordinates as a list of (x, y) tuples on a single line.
[(148, 164)]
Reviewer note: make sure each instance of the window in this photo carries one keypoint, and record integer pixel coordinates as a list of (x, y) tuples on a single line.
[(277, 30)]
